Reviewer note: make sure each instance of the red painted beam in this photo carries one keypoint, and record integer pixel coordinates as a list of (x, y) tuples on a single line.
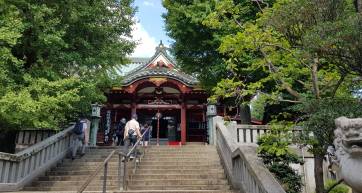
[(146, 106)]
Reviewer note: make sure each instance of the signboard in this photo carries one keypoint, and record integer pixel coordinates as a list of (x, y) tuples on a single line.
[(107, 128)]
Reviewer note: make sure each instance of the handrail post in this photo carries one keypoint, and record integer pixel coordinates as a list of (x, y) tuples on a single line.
[(119, 170), (105, 178), (125, 173)]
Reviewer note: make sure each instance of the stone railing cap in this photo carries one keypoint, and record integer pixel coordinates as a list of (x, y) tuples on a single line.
[(257, 169), (36, 147)]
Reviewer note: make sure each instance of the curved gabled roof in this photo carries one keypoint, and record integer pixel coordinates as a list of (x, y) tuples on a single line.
[(160, 72), (148, 69)]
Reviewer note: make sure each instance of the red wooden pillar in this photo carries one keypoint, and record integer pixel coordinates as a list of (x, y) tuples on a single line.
[(134, 109), (183, 124)]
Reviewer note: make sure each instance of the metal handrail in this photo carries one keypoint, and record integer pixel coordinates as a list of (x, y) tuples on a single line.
[(135, 160), (99, 167), (105, 165)]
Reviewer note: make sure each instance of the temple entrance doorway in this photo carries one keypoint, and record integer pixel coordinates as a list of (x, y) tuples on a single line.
[(168, 125)]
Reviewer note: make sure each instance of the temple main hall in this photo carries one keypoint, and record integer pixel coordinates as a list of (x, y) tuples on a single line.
[(169, 100)]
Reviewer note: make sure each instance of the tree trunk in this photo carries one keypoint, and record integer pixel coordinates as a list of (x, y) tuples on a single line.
[(358, 4), (318, 173), (245, 115), (315, 78)]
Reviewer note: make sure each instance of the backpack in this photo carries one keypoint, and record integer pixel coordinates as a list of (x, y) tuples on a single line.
[(131, 131), (78, 128)]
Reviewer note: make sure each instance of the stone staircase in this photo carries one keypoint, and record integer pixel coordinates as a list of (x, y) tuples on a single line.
[(190, 168), (186, 168), (71, 174)]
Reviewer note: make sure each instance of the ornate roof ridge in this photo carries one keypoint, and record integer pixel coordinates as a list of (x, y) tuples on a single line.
[(179, 75), (142, 70), (160, 49)]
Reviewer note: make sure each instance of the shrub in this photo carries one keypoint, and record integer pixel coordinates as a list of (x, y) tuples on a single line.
[(273, 149), (341, 188)]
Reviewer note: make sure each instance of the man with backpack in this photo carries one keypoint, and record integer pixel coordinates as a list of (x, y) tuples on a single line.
[(79, 131), (131, 133)]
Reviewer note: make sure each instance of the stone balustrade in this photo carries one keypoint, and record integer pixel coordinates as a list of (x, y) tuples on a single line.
[(16, 170), (27, 138), (243, 168), (250, 133)]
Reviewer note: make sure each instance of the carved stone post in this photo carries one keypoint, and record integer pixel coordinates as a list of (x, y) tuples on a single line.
[(348, 144)]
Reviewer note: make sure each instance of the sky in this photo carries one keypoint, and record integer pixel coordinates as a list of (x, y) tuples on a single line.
[(149, 28)]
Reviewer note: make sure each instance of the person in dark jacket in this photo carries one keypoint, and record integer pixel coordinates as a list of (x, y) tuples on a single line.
[(120, 131), (145, 130)]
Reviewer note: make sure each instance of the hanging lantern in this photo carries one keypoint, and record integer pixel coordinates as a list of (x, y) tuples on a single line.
[(96, 110)]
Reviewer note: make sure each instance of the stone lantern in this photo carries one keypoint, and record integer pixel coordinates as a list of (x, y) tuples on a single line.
[(96, 114)]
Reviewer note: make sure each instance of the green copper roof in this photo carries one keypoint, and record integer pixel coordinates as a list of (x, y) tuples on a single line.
[(141, 71)]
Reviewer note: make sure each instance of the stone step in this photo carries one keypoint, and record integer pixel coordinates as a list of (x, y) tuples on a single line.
[(75, 178), (177, 182), (181, 167), (78, 165), (81, 172), (181, 151), (180, 159), (177, 176), (180, 171), (86, 168), (157, 182), (136, 177), (182, 187), (183, 155), (147, 165), (57, 189), (179, 162), (85, 159), (205, 149), (71, 183), (145, 170), (176, 191)]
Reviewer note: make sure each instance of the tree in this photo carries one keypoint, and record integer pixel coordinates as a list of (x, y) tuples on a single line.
[(57, 58), (195, 46), (311, 57), (197, 33)]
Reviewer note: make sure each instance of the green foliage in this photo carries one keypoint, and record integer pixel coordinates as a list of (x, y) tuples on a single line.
[(319, 120), (258, 106), (311, 57), (198, 28), (341, 188), (226, 88), (195, 46), (57, 58), (276, 155)]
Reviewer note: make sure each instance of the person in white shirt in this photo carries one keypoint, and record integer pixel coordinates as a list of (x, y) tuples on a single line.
[(131, 133)]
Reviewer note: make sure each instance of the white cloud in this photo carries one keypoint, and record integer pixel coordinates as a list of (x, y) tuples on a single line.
[(148, 3), (146, 43)]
